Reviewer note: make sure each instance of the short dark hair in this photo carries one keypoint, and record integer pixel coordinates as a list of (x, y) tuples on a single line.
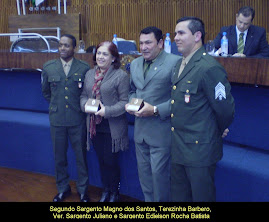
[(112, 48), (246, 11), (195, 25), (74, 41), (152, 29)]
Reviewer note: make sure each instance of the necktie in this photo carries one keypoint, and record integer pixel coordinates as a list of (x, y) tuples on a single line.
[(66, 69), (182, 66), (147, 67), (240, 47)]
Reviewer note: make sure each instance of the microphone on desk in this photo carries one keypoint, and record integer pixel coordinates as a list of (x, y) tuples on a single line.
[(226, 55), (223, 54)]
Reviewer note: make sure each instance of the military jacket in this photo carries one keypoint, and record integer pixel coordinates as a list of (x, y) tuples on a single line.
[(202, 107), (63, 92)]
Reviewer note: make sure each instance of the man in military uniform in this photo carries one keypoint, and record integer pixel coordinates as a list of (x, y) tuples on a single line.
[(202, 107), (62, 82)]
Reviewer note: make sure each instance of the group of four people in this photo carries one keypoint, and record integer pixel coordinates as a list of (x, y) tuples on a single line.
[(178, 132)]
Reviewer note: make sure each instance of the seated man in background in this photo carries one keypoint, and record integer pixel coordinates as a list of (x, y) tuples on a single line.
[(244, 39)]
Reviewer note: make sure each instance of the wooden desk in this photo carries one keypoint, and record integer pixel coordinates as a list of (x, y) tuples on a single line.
[(240, 70), (34, 60), (246, 70)]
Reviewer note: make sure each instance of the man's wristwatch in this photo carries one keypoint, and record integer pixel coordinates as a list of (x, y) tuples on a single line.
[(155, 110)]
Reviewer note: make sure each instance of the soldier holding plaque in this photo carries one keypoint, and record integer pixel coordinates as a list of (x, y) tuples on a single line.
[(104, 96)]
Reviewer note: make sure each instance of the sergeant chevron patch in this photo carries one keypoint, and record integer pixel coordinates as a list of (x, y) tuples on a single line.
[(220, 91)]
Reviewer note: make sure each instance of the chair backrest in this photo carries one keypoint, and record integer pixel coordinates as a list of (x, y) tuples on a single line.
[(91, 49), (126, 47), (34, 45), (174, 49)]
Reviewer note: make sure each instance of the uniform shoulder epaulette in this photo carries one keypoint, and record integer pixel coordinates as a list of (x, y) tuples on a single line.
[(49, 62), (83, 62), (208, 58)]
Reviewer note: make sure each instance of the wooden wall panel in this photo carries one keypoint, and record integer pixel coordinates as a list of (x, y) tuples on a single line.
[(69, 23), (102, 18)]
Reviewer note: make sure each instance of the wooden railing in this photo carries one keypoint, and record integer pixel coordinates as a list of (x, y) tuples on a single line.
[(240, 70)]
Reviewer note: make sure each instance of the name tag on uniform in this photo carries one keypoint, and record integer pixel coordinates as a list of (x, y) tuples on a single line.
[(92, 106), (135, 105)]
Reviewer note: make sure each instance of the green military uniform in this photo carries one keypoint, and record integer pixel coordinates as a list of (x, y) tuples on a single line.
[(66, 119), (202, 107)]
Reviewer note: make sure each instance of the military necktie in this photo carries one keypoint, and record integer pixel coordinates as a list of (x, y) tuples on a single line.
[(182, 66), (66, 68), (147, 67), (240, 47)]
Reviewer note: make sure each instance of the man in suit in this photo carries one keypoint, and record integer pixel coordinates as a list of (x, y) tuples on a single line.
[(244, 39), (202, 107), (62, 82), (151, 76)]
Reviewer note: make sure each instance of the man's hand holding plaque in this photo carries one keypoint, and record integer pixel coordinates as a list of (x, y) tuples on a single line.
[(135, 105), (139, 108)]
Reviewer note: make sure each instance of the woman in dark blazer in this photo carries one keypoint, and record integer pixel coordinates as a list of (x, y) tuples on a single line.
[(108, 127)]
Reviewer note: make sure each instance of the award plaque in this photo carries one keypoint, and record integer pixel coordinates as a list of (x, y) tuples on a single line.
[(92, 105), (135, 105)]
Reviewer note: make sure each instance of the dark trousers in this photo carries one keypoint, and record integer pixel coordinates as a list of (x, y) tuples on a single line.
[(108, 161), (77, 137), (193, 184)]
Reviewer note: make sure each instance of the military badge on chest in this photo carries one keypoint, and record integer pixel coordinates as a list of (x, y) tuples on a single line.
[(187, 96), (80, 84), (78, 79)]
